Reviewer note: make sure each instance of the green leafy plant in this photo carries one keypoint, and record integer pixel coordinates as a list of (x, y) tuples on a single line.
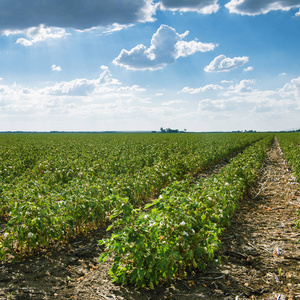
[(181, 229), (55, 186)]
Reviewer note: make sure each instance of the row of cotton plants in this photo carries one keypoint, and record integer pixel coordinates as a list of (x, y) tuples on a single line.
[(180, 230)]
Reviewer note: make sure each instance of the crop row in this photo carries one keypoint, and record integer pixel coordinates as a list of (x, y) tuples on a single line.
[(181, 229), (290, 145), (55, 186)]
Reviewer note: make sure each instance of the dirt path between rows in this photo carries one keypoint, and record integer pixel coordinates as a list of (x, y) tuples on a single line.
[(262, 243), (260, 256)]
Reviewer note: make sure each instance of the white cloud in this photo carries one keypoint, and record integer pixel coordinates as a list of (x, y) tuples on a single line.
[(115, 27), (242, 107), (104, 103), (297, 14), (84, 98), (76, 14), (248, 69), (283, 74), (172, 102), (166, 46), (243, 87), (56, 68), (225, 64), (291, 89), (215, 105), (38, 34), (199, 6), (226, 81), (205, 88), (84, 87), (184, 48), (103, 67), (251, 8)]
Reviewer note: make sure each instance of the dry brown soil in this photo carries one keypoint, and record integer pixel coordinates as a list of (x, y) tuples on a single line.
[(260, 255)]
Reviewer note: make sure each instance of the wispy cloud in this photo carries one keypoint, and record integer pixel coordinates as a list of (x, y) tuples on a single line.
[(251, 8), (226, 81), (225, 64), (166, 46), (248, 69), (37, 34), (205, 88), (172, 102), (115, 27), (199, 6)]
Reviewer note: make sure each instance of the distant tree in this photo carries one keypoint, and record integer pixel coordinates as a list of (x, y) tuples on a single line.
[(168, 130)]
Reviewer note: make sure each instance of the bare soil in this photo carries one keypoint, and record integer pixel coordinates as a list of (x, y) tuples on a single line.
[(260, 255)]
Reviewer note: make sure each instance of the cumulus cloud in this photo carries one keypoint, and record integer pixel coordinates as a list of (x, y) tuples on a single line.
[(225, 64), (205, 88), (104, 103), (243, 87), (166, 46), (56, 68), (79, 97), (76, 14), (251, 8), (216, 105), (242, 102), (199, 6), (105, 85), (291, 88), (82, 86)]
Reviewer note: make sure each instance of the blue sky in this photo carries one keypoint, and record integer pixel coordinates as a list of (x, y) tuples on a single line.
[(200, 65)]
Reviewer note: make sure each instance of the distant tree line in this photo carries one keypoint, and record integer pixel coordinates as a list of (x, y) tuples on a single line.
[(244, 131), (169, 130)]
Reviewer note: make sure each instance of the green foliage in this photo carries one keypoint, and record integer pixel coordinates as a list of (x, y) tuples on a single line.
[(290, 145), (54, 186), (181, 229)]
